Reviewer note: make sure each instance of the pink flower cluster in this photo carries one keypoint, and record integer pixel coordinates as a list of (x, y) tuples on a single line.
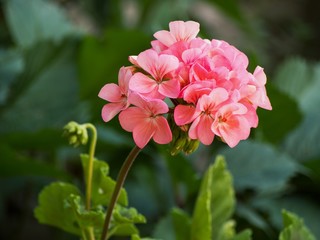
[(204, 84)]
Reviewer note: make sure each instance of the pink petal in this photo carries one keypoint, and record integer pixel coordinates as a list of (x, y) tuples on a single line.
[(148, 60), (191, 55), (204, 131), (260, 76), (163, 133), (143, 132), (110, 92), (125, 73), (165, 37), (152, 106), (193, 130), (184, 114), (131, 117), (110, 110), (170, 88), (184, 30), (166, 63), (141, 83)]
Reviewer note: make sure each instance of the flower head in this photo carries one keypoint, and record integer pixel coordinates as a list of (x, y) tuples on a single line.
[(207, 81)]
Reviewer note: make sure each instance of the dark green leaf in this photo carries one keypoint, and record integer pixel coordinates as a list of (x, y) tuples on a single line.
[(259, 166), (14, 164), (29, 26), (52, 99), (300, 80), (108, 55), (11, 64), (285, 116), (102, 185), (308, 209), (54, 211), (303, 143)]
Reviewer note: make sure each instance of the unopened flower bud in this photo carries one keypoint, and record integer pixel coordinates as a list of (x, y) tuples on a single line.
[(77, 133), (191, 146)]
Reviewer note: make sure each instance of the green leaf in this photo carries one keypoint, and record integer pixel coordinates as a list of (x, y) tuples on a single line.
[(215, 202), (181, 224), (102, 185), (137, 237), (35, 106), (53, 210), (310, 211), (227, 231), (93, 218), (259, 166), (275, 125), (127, 215), (11, 64), (123, 221), (244, 235), (175, 226), (294, 228), (300, 80), (303, 143), (29, 26), (14, 164)]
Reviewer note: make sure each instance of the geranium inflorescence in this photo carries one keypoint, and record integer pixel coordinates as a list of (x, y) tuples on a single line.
[(209, 89)]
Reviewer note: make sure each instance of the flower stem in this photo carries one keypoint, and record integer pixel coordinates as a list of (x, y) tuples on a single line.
[(116, 192), (90, 166)]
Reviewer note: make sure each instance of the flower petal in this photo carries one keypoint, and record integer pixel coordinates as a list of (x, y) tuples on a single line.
[(131, 117), (143, 132), (170, 88), (204, 131), (110, 110), (165, 37), (163, 133), (141, 83), (184, 30), (110, 92), (184, 114), (124, 76)]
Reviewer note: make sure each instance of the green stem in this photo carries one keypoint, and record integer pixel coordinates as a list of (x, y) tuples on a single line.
[(90, 166), (116, 192)]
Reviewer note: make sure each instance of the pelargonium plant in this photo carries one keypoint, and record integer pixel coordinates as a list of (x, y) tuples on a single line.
[(185, 90)]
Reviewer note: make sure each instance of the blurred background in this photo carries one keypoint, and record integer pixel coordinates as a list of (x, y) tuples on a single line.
[(55, 55)]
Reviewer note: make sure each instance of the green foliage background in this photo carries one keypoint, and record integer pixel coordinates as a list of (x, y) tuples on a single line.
[(56, 55)]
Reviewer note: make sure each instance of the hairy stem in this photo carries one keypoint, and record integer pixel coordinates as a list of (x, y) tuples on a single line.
[(116, 192)]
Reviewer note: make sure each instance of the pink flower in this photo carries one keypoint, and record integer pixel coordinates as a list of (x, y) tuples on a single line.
[(231, 124), (159, 83), (145, 120), (117, 95), (179, 31), (206, 109)]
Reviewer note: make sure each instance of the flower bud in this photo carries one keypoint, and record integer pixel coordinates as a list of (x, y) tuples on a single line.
[(77, 133), (191, 146)]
